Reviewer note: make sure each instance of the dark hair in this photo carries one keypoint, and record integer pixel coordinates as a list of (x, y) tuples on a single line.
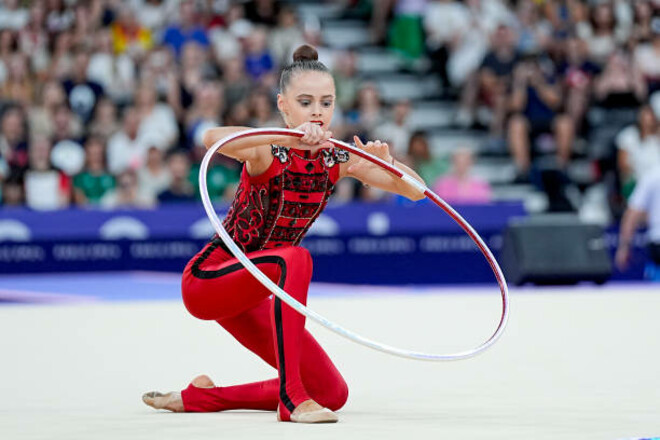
[(305, 58)]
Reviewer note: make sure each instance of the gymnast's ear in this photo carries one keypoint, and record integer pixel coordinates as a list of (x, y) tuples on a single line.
[(281, 104)]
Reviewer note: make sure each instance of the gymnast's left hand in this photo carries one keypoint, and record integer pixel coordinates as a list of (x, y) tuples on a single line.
[(377, 148)]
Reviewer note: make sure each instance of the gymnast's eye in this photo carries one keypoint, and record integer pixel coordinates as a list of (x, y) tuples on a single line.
[(327, 104), (304, 102)]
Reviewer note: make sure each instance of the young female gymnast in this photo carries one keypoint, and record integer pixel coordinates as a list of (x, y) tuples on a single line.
[(285, 184)]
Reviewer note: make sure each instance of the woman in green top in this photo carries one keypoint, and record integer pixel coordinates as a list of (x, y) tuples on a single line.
[(94, 181), (422, 160)]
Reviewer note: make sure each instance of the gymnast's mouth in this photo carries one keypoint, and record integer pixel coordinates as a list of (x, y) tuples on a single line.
[(319, 123)]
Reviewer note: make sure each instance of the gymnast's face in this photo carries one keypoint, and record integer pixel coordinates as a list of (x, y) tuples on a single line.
[(309, 97)]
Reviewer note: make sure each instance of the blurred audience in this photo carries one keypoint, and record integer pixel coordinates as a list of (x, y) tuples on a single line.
[(139, 81)]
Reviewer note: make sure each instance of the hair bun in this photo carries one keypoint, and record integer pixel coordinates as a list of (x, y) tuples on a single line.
[(305, 53)]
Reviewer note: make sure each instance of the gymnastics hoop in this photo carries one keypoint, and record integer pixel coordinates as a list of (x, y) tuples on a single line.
[(303, 310)]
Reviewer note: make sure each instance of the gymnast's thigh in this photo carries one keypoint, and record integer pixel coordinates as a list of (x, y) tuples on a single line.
[(215, 289)]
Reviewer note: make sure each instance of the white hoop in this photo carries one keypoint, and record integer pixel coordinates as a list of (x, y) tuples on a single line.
[(293, 303)]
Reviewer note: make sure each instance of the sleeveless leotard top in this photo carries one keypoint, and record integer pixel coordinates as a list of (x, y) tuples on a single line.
[(276, 208)]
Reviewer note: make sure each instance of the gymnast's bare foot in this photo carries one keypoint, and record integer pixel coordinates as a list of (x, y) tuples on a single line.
[(172, 401)]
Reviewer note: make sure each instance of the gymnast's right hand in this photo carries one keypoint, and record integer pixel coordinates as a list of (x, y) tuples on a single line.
[(315, 137)]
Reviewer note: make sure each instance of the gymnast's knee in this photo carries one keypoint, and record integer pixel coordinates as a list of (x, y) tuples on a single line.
[(336, 397)]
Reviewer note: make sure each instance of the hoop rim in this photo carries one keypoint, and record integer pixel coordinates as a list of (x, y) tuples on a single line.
[(305, 311)]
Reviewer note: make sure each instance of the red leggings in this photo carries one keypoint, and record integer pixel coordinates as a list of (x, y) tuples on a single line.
[(216, 287)]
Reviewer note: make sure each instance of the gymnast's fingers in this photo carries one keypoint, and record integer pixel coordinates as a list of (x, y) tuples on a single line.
[(358, 142)]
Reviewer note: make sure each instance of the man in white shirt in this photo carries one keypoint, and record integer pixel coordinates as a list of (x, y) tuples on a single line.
[(644, 203)]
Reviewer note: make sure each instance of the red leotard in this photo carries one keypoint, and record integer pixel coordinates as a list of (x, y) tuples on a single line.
[(269, 217)]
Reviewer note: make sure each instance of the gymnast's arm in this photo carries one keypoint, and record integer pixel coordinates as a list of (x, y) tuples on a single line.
[(251, 149), (371, 174)]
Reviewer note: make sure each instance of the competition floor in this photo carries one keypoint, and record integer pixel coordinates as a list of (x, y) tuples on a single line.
[(575, 363)]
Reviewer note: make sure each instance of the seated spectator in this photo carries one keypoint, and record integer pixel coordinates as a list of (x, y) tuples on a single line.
[(152, 14), (647, 58), (33, 40), (180, 189), (396, 131), (42, 112), (239, 115), (642, 30), (126, 194), (286, 36), (638, 149), (620, 84), (493, 81), (104, 123), (225, 39), (422, 160), (262, 12), (405, 32), (66, 125), (368, 113), (13, 192), (236, 82), (13, 15), (471, 45), (262, 110), (577, 74), (206, 111), (459, 186), (534, 32), (61, 59), (46, 188), (536, 102), (154, 177), (13, 138), (159, 68), (347, 80), (60, 17), (183, 79), (8, 47), (90, 185), (258, 59), (88, 18), (601, 33), (82, 93), (115, 72), (195, 57), (187, 29), (157, 119), (68, 154), (126, 148), (19, 85), (445, 24)]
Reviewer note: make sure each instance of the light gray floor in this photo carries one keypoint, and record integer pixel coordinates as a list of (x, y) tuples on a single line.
[(573, 364)]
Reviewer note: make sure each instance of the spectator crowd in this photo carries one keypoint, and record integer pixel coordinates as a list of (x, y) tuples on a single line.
[(104, 102)]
